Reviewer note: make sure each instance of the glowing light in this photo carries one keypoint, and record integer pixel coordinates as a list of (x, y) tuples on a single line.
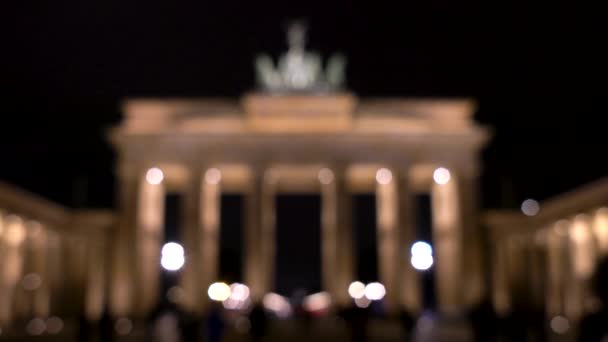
[(441, 175), (384, 176), (375, 291), (213, 176), (317, 302), (155, 176), (239, 292), (239, 297), (421, 248), (530, 207), (219, 291), (123, 326), (356, 290), (422, 256), (35, 327), (560, 324), (54, 325), (172, 256), (15, 231), (278, 304), (362, 302), (31, 281), (326, 176)]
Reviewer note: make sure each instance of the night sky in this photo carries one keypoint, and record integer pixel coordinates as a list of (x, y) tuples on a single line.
[(538, 72)]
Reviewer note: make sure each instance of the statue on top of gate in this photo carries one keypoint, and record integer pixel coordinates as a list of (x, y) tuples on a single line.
[(298, 70)]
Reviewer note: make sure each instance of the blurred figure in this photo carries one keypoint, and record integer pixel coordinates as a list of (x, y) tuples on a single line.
[(85, 327), (163, 323), (484, 321), (215, 324), (189, 326), (259, 322), (356, 318), (407, 324), (106, 326), (594, 327)]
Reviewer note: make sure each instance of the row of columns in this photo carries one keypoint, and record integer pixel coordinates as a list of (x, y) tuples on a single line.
[(551, 268), (141, 227), (40, 267)]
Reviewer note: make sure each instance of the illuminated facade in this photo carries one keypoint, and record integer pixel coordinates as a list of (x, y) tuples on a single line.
[(52, 259), (264, 145), (547, 257)]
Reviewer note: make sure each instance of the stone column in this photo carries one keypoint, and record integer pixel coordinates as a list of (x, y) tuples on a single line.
[(600, 230), (447, 236), (388, 236), (193, 292), (582, 253), (500, 280), (96, 275), (410, 280), (345, 243), (38, 263), (473, 256), (336, 237), (12, 249), (124, 256), (555, 269), (268, 230), (253, 263), (149, 242), (209, 238)]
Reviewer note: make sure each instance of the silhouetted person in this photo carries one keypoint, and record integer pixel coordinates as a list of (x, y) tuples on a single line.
[(259, 322), (189, 325), (594, 327), (407, 324), (356, 318), (484, 321), (106, 326), (85, 327), (215, 324)]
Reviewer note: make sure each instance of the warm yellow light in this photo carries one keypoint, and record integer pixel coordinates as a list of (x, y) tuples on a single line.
[(356, 289), (213, 176), (441, 175), (375, 291), (326, 176), (15, 231), (155, 176), (219, 291), (530, 207), (384, 176)]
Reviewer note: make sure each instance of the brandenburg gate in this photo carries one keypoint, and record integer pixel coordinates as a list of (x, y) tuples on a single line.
[(300, 133)]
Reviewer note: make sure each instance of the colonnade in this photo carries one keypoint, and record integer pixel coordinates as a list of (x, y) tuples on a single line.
[(135, 284), (47, 271), (551, 266)]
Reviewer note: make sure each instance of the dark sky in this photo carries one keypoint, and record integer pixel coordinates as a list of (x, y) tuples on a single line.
[(538, 72)]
